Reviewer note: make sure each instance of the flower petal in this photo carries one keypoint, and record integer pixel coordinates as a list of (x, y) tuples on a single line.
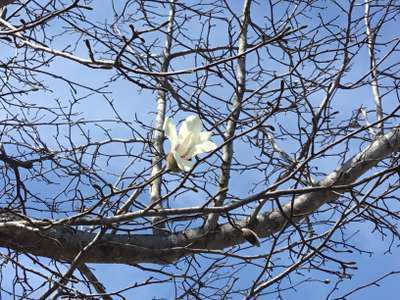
[(204, 136), (206, 146), (189, 135), (192, 125), (170, 131), (186, 146), (183, 164)]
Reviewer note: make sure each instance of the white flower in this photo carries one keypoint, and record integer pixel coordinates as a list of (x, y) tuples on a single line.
[(189, 142)]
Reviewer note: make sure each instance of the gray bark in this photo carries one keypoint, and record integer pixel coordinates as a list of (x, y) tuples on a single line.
[(63, 242)]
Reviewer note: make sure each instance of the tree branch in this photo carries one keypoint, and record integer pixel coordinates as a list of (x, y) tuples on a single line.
[(64, 243)]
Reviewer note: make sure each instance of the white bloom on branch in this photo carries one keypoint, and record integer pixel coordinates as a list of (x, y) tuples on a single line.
[(190, 141)]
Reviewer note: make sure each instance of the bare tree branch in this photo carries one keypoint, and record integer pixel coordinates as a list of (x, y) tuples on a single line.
[(63, 242)]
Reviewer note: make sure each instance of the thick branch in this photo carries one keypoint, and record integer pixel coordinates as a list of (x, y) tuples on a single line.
[(374, 72), (227, 150), (158, 136), (63, 243)]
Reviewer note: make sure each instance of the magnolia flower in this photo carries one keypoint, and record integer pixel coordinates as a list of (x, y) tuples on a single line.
[(189, 142)]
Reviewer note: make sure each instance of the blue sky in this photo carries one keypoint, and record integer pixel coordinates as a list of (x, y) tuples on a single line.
[(131, 103)]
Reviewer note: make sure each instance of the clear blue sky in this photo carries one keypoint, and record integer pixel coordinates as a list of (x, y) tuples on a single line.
[(130, 103)]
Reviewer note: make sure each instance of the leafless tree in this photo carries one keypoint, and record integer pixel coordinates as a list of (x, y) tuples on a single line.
[(302, 98)]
